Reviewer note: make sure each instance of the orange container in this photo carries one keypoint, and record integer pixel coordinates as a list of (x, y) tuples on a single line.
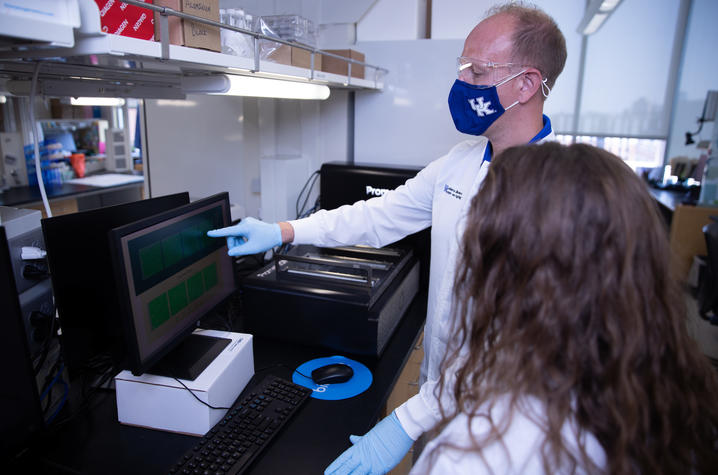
[(77, 160)]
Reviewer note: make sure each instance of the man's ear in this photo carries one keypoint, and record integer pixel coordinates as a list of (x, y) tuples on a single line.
[(529, 84)]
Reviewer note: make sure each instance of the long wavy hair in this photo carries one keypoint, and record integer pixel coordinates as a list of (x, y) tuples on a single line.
[(564, 295)]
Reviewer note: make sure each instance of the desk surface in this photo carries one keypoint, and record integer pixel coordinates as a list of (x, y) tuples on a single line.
[(96, 443), (667, 198), (23, 195)]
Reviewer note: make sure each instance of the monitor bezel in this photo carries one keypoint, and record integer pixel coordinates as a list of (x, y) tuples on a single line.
[(134, 360), (89, 331)]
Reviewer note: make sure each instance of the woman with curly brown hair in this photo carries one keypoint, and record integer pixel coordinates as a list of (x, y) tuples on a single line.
[(571, 353)]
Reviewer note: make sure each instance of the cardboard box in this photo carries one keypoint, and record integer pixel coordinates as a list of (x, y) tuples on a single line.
[(119, 18), (337, 66), (191, 33), (159, 402), (301, 58)]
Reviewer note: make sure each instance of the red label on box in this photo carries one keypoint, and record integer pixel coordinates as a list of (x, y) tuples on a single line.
[(119, 18)]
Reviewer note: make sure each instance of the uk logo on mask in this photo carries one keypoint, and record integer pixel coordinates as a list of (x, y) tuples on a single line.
[(480, 107)]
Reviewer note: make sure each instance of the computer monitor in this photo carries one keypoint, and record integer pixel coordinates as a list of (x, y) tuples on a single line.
[(83, 282), (169, 275)]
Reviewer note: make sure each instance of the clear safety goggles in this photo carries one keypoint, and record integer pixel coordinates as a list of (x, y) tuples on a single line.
[(480, 72), (486, 74)]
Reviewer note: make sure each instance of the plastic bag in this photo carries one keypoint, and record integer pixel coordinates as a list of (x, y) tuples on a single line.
[(234, 42)]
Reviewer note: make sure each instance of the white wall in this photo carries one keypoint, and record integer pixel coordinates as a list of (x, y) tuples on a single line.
[(208, 144), (393, 20), (409, 122), (198, 145), (454, 19)]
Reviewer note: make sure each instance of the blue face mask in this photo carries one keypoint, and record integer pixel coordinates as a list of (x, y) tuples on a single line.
[(475, 108)]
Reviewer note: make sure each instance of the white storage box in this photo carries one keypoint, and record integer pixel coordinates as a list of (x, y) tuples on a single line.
[(160, 402), (40, 21)]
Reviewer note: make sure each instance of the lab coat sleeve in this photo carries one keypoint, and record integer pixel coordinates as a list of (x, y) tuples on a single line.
[(375, 222), (416, 415), (421, 412)]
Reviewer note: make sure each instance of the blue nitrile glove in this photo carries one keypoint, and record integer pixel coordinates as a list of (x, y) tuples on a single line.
[(377, 452), (250, 236)]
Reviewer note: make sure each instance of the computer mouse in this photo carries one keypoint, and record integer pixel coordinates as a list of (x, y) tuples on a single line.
[(332, 374)]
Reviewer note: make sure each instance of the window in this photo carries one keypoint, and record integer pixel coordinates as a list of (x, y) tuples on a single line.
[(626, 92)]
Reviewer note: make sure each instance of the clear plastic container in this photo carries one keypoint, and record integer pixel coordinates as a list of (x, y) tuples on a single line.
[(288, 27), (234, 42)]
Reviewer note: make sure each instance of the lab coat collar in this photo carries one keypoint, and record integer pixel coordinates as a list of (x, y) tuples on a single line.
[(543, 133)]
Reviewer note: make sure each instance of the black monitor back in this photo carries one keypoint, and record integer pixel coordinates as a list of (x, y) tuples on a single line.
[(20, 413), (83, 280), (345, 184)]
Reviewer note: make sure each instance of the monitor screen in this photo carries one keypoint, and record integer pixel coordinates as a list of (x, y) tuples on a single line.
[(169, 275), (83, 282)]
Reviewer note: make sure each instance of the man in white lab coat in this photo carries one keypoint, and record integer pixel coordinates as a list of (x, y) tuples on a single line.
[(509, 62)]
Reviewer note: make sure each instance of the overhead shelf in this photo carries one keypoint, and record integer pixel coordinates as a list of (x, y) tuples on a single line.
[(120, 60)]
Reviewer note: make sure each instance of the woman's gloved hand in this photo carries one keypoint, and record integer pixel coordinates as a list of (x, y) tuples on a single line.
[(250, 236), (377, 452)]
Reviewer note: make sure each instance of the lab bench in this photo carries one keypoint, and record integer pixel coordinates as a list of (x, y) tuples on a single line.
[(685, 227), (95, 442), (71, 197)]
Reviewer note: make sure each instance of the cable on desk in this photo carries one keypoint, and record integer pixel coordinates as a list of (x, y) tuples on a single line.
[(51, 334), (62, 402), (87, 399), (197, 398)]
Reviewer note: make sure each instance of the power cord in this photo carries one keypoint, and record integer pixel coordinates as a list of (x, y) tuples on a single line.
[(313, 179), (197, 398), (257, 371), (36, 142)]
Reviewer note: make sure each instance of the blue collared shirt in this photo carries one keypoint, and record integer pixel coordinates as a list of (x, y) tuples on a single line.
[(542, 133)]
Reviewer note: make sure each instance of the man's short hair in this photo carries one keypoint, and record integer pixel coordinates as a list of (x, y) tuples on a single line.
[(538, 41)]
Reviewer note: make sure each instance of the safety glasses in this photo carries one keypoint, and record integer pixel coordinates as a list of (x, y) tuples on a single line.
[(483, 72)]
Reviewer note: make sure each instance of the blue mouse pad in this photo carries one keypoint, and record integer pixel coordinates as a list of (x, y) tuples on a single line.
[(357, 384)]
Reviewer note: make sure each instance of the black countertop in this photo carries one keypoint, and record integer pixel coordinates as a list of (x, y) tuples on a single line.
[(23, 195), (94, 442), (669, 199)]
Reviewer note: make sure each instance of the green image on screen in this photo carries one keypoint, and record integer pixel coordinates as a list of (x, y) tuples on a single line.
[(205, 226), (195, 286), (159, 311), (178, 298), (210, 276), (172, 249), (191, 241), (151, 260)]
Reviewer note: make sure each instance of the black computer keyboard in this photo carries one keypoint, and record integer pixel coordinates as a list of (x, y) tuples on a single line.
[(249, 426)]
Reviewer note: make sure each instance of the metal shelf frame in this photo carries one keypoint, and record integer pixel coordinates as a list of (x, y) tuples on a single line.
[(106, 64)]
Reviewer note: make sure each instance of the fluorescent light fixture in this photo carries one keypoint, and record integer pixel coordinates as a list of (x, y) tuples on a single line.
[(97, 101), (3, 99), (253, 86), (96, 88), (597, 11), (608, 5), (595, 23)]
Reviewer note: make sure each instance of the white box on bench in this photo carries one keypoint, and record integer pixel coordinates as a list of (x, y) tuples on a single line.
[(161, 402)]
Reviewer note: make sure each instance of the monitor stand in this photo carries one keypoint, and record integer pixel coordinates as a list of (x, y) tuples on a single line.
[(191, 357)]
